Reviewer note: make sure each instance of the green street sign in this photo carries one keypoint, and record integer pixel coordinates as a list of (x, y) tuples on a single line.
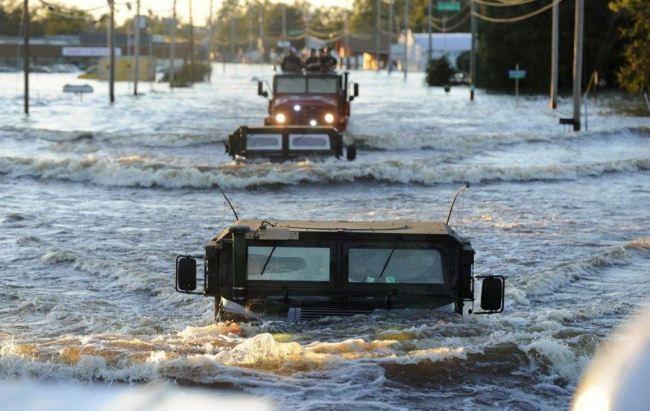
[(448, 6)]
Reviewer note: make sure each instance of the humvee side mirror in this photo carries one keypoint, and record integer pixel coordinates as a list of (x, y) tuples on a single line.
[(260, 90), (185, 273), (356, 89), (492, 293)]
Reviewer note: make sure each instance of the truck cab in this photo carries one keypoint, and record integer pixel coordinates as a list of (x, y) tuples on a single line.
[(309, 99), (301, 270)]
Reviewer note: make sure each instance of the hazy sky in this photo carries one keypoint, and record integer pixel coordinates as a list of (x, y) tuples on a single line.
[(164, 7)]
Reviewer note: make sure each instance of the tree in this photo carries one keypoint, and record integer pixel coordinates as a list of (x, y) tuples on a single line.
[(439, 71), (634, 73), (528, 43), (462, 62)]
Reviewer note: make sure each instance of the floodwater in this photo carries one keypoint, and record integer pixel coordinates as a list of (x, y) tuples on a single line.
[(96, 201)]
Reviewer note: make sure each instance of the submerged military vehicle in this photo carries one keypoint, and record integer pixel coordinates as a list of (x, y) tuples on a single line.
[(307, 114), (310, 99), (297, 270)]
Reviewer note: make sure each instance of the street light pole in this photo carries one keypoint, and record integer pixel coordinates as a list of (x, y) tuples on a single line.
[(26, 54), (111, 51), (172, 52), (191, 44), (577, 63), (136, 27), (555, 51), (472, 59), (389, 59), (406, 38), (377, 41), (429, 17)]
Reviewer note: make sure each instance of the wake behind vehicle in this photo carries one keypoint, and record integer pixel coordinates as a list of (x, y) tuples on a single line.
[(307, 113), (298, 270)]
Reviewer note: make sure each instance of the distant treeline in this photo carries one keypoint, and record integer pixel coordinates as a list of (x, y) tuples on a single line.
[(616, 39)]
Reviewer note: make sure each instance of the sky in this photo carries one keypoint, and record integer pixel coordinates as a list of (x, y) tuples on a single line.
[(164, 7)]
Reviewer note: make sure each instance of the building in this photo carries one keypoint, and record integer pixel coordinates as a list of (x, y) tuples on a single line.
[(417, 45), (86, 49)]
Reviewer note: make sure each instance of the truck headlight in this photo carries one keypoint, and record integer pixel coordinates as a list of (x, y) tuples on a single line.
[(280, 118), (329, 118), (297, 107), (312, 122)]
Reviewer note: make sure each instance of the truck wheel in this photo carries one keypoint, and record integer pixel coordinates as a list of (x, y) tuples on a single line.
[(351, 152)]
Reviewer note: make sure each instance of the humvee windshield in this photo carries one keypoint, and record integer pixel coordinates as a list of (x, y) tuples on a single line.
[(415, 266), (289, 263), (310, 85)]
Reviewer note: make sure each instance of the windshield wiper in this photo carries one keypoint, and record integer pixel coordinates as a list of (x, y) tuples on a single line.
[(267, 261), (399, 239)]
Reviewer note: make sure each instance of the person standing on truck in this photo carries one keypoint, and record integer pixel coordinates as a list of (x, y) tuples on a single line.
[(312, 63), (291, 62), (327, 62)]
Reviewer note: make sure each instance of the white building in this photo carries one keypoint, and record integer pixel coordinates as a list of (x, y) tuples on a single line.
[(417, 45)]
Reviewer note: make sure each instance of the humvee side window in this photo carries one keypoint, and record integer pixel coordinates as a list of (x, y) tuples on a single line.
[(328, 85), (290, 85), (414, 266), (288, 263)]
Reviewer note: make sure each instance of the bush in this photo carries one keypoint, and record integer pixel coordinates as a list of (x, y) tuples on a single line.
[(184, 76), (439, 71)]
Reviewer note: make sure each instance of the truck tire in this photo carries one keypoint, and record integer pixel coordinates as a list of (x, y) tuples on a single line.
[(351, 152)]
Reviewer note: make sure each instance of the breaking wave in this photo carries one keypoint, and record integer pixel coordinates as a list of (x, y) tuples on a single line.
[(548, 281), (137, 171)]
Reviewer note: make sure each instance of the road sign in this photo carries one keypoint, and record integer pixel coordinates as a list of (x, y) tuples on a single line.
[(283, 44), (516, 74), (448, 6)]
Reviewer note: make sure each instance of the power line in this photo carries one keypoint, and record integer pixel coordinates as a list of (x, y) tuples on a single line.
[(517, 18), (504, 3)]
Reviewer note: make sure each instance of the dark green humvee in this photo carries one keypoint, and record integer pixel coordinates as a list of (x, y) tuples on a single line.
[(309, 269)]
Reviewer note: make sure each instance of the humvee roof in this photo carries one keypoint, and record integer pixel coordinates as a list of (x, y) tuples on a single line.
[(387, 227)]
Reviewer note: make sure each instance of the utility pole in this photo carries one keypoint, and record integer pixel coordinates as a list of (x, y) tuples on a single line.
[(391, 4), (472, 58), (406, 38), (26, 54), (191, 44), (250, 31), (136, 28), (172, 52), (233, 31), (555, 50), (577, 63), (377, 41), (517, 85), (260, 28), (210, 31), (429, 17), (346, 40), (284, 24), (111, 51)]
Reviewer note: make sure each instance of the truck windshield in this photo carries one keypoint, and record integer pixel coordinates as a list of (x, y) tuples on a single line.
[(288, 263), (414, 266), (322, 85), (289, 85)]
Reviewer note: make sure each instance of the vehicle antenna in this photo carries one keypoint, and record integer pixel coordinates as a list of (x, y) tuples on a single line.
[(451, 207), (228, 201)]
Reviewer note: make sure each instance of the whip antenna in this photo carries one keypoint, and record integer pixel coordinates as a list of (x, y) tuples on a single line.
[(228, 201), (451, 207)]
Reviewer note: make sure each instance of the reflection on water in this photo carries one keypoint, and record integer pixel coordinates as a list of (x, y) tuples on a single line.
[(95, 202)]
